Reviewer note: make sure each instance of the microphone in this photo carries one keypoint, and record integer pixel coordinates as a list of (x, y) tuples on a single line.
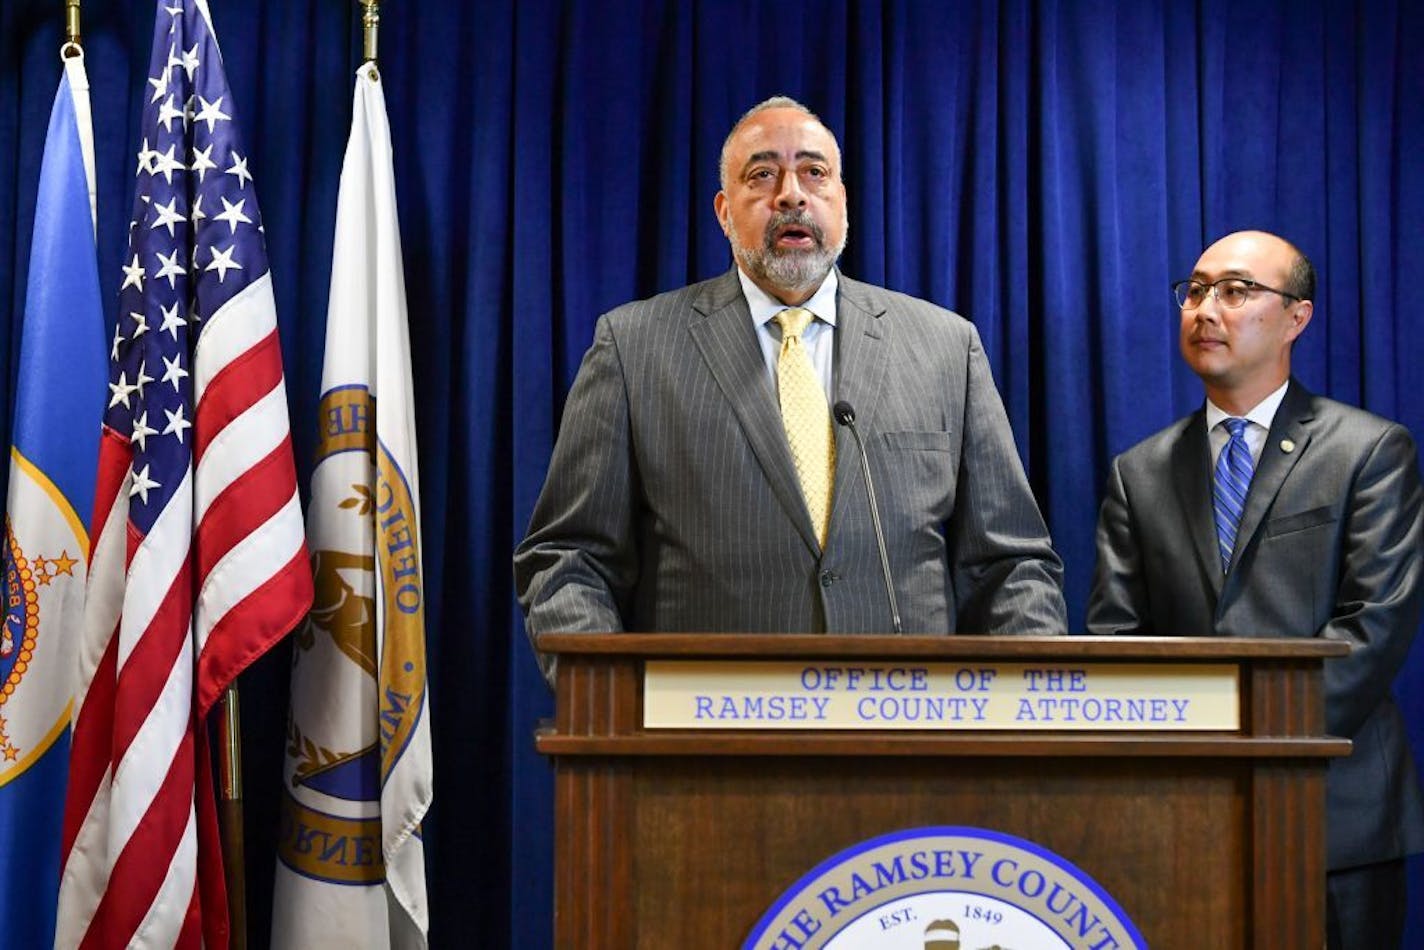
[(845, 415)]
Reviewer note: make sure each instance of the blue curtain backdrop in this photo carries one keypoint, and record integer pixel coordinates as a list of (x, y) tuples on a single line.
[(1045, 168)]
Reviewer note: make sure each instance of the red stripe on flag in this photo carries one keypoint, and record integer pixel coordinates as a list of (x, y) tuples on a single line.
[(212, 882), (114, 461), (150, 664), (243, 506), (252, 626), (191, 934), (91, 747), (234, 389), (144, 861)]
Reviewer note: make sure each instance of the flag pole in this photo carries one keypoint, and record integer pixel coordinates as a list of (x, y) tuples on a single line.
[(230, 782), (72, 46), (371, 23)]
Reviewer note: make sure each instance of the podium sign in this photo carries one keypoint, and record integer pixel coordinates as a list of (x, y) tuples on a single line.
[(757, 694)]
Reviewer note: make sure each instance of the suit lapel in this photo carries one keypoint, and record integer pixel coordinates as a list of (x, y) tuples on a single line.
[(1191, 471), (859, 379), (722, 331), (1275, 463)]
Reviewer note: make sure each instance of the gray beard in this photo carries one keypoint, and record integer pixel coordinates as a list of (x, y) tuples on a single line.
[(791, 271)]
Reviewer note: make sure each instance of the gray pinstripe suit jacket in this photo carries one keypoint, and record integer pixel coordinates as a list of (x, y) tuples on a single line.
[(1331, 544), (672, 503)]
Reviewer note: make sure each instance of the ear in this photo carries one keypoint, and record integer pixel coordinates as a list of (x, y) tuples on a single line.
[(1299, 319), (719, 205)]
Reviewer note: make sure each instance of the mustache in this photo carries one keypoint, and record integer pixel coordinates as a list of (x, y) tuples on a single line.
[(800, 219), (1202, 331)]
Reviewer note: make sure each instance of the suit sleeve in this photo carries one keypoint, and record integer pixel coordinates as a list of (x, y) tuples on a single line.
[(1378, 600), (1007, 577), (577, 565), (1118, 602)]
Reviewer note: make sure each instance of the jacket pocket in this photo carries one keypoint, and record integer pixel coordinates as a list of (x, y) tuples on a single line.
[(920, 441), (920, 472), (1299, 522)]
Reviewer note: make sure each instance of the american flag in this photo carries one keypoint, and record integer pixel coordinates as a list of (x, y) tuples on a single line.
[(199, 563)]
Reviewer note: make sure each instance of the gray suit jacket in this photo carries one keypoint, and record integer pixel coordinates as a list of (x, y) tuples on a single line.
[(672, 502), (1329, 546)]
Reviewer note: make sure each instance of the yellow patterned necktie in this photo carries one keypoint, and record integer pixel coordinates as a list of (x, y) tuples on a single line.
[(807, 418)]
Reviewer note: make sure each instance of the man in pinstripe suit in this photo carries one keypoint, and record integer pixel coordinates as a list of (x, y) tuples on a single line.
[(672, 501)]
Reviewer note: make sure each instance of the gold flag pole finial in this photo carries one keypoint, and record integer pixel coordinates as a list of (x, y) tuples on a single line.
[(371, 23), (72, 45)]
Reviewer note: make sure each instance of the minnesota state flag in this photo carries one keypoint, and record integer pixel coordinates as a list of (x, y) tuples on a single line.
[(58, 407)]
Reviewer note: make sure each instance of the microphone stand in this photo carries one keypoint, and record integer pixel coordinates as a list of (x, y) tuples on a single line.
[(845, 415)]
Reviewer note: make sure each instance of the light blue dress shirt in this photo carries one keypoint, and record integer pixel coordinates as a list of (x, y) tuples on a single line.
[(818, 339)]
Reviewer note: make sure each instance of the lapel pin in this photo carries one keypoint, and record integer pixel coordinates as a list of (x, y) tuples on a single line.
[(1287, 446)]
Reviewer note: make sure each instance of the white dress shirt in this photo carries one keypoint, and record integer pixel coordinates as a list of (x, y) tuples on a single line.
[(1260, 418)]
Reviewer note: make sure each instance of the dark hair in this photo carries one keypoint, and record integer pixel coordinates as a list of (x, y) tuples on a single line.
[(1300, 280)]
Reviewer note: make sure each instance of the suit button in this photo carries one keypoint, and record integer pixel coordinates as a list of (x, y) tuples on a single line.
[(828, 578)]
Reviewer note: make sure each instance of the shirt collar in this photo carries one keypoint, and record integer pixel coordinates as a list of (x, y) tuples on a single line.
[(1263, 414), (764, 306)]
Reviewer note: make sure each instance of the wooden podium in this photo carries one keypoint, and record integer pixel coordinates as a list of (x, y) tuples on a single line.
[(685, 837)]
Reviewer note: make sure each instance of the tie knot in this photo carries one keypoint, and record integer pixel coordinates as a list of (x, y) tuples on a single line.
[(1236, 427), (794, 321)]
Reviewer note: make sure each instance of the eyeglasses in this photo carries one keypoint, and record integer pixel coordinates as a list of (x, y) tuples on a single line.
[(1230, 292)]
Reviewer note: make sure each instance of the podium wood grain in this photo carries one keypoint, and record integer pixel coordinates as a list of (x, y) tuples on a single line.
[(683, 838)]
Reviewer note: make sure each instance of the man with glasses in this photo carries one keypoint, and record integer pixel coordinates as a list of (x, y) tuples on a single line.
[(1272, 511)]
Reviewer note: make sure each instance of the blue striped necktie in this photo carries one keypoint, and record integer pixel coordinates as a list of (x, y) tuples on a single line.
[(1233, 478)]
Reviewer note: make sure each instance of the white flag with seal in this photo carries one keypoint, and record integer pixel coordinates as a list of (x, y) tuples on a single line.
[(358, 776)]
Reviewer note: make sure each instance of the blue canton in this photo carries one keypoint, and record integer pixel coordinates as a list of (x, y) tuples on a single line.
[(195, 242)]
